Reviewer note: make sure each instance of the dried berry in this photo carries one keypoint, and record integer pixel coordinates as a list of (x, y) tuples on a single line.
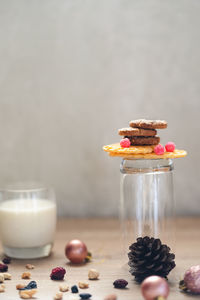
[(3, 268), (85, 296), (74, 289), (58, 273), (120, 283), (6, 260), (30, 286)]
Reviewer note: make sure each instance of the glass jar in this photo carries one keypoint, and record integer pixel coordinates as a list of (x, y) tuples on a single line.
[(27, 220), (147, 205)]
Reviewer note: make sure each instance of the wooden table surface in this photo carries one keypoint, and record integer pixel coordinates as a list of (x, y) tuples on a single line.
[(102, 237)]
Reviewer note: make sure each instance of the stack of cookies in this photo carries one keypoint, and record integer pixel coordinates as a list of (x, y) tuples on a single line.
[(143, 132)]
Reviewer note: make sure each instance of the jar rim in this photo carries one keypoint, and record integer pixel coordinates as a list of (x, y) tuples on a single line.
[(146, 165)]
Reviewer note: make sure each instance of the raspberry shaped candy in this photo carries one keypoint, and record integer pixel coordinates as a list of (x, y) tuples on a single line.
[(125, 143), (58, 273), (159, 149), (170, 147)]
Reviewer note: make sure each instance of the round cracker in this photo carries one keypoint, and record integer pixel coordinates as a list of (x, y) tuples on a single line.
[(176, 154), (117, 149)]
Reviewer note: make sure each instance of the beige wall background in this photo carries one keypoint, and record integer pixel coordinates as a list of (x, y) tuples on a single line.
[(74, 71)]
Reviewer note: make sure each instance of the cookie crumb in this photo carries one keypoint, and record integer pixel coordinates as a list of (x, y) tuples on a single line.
[(1, 278), (83, 285), (30, 267), (93, 274), (64, 288), (7, 276), (111, 297), (2, 288), (27, 294), (58, 296), (26, 275), (20, 286)]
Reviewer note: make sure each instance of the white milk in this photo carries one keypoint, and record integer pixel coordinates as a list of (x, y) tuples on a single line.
[(26, 223)]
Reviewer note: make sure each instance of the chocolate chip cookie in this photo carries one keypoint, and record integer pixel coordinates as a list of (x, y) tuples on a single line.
[(150, 124)]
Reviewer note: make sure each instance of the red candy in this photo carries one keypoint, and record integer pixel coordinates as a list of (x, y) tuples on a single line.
[(170, 147), (159, 149), (125, 143)]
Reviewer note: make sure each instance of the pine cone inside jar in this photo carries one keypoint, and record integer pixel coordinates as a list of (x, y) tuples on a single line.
[(148, 256)]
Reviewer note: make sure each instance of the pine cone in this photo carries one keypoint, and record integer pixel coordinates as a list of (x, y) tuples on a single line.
[(148, 256)]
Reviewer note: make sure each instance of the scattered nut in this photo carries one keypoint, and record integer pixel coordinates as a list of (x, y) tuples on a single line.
[(2, 288), (93, 274), (7, 276), (58, 296), (27, 294), (83, 285), (111, 297), (30, 267), (64, 288), (26, 275), (20, 286), (1, 278)]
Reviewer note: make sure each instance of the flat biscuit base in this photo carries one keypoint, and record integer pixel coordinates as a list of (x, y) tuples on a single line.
[(176, 154), (117, 149)]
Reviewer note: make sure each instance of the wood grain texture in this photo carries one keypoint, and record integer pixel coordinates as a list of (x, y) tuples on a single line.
[(102, 237)]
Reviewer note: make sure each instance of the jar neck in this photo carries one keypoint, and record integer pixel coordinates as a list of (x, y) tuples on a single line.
[(130, 166)]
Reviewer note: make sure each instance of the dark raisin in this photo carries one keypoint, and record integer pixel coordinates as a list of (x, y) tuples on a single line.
[(85, 296), (74, 289), (6, 260), (30, 286), (120, 283), (3, 268)]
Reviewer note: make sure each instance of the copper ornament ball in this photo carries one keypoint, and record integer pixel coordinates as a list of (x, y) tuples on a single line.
[(76, 251), (154, 287)]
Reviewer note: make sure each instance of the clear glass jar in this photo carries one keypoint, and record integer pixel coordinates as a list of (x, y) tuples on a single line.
[(27, 220), (147, 205)]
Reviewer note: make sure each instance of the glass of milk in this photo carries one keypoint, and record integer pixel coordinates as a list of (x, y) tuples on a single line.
[(27, 220)]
